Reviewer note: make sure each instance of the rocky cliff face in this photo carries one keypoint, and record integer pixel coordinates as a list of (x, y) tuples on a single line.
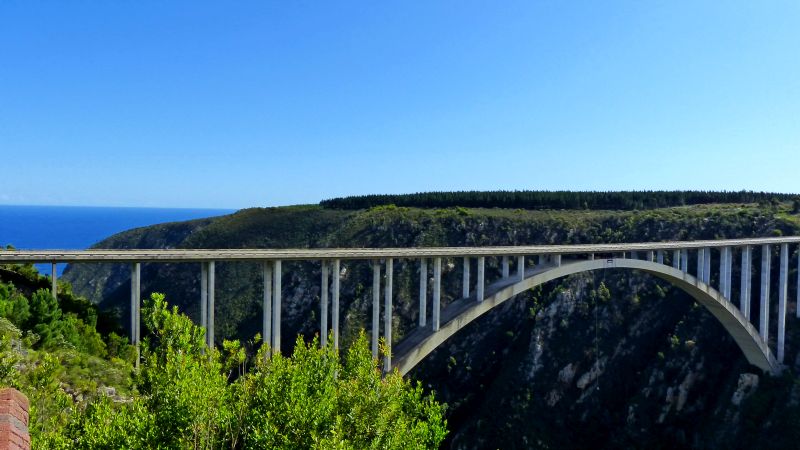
[(603, 360)]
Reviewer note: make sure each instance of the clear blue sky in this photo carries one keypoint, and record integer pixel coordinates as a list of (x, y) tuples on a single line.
[(235, 104)]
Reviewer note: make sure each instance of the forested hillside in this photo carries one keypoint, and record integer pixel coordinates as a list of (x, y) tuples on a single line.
[(607, 360)]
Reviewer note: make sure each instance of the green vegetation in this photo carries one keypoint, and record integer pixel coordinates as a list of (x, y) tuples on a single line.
[(192, 397), (83, 395), (620, 200)]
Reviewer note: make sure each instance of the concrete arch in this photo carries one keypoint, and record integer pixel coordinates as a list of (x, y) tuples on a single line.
[(419, 343)]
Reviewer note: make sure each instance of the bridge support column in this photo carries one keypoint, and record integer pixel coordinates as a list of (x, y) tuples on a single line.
[(387, 318), (480, 285), (707, 266), (324, 289), (336, 275), (211, 293), (505, 267), (54, 280), (266, 304), (764, 313), (676, 259), (701, 264), (660, 256), (376, 305), (783, 287), (437, 292), (685, 260), (520, 268), (725, 262), (590, 257), (465, 280), (650, 256), (423, 291), (136, 311), (276, 306), (557, 260), (204, 299), (634, 254), (746, 282)]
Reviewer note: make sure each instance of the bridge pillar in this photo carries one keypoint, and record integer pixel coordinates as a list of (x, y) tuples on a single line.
[(324, 288), (505, 267), (423, 292), (725, 261), (746, 282), (336, 274), (387, 318), (660, 256), (590, 257), (685, 260), (650, 256), (136, 302), (520, 268), (276, 306), (266, 302), (480, 285), (764, 313), (557, 260), (204, 299), (376, 304), (701, 264), (212, 273), (783, 284), (465, 280), (676, 259), (707, 266), (437, 292), (634, 254), (54, 280)]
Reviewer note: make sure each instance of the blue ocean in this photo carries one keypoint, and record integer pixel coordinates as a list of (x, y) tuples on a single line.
[(78, 227)]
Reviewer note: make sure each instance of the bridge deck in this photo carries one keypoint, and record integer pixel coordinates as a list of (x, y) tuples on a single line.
[(198, 255)]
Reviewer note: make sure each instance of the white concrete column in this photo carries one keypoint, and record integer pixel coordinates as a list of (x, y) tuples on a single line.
[(135, 303), (660, 256), (376, 306), (437, 292), (136, 307), (783, 293), (685, 260), (277, 287), (650, 256), (266, 302), (765, 270), (746, 272), (557, 260), (728, 272), (707, 265), (324, 289), (387, 318), (700, 263), (722, 264), (423, 292), (204, 298), (505, 267), (54, 280), (480, 285), (520, 268), (590, 257), (676, 259), (465, 279), (211, 294), (336, 277)]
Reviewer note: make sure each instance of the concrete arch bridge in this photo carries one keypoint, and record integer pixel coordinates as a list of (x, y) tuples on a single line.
[(687, 265)]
